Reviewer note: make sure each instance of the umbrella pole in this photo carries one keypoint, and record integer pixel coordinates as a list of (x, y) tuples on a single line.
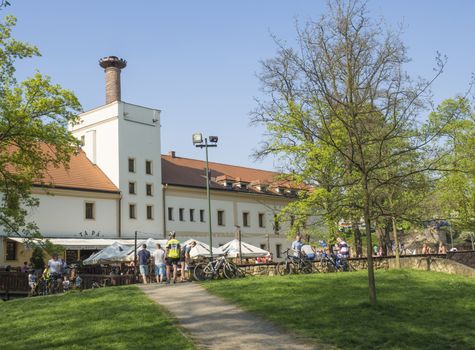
[(135, 257)]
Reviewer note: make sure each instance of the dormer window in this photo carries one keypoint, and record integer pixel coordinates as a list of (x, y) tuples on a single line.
[(291, 192), (228, 184)]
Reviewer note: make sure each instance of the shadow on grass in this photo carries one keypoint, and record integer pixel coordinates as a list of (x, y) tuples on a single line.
[(109, 318), (416, 309)]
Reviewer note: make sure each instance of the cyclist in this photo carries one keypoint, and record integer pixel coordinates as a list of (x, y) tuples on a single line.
[(308, 252), (173, 256), (297, 246)]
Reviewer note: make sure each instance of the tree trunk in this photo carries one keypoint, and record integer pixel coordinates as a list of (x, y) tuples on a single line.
[(396, 243), (355, 227), (369, 245)]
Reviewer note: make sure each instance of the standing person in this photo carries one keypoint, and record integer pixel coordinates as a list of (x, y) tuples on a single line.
[(159, 263), (297, 246), (144, 257), (173, 256), (185, 259), (343, 248), (55, 267), (24, 268)]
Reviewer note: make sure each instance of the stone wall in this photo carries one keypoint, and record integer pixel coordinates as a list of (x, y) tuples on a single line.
[(464, 257)]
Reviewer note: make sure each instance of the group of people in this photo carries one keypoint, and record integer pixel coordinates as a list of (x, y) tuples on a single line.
[(166, 261), (309, 252)]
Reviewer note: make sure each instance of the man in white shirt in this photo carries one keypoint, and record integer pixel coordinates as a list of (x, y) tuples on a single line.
[(159, 262), (297, 246), (55, 266)]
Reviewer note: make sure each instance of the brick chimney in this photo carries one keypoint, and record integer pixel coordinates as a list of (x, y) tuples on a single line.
[(172, 154), (112, 66)]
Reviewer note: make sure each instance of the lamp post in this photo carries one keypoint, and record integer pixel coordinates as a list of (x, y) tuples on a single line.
[(198, 142)]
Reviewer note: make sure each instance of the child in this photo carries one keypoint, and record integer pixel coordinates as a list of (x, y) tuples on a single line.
[(32, 280)]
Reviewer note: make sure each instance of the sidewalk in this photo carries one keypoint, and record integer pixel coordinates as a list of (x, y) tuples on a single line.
[(215, 324)]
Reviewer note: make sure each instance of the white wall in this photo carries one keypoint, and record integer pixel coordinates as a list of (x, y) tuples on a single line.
[(101, 124), (64, 216), (122, 130), (233, 205), (139, 138)]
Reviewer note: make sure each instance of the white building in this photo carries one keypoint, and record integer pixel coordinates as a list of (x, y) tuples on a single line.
[(120, 184)]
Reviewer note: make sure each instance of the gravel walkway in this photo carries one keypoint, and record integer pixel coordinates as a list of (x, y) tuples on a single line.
[(215, 324)]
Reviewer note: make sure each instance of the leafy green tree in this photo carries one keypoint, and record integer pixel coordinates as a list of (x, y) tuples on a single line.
[(456, 189), (344, 89), (34, 116)]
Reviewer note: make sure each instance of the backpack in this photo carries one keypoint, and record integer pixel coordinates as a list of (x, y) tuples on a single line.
[(173, 246)]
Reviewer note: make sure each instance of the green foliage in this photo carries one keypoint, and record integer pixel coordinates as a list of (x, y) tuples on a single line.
[(105, 318), (37, 258), (34, 115), (416, 309)]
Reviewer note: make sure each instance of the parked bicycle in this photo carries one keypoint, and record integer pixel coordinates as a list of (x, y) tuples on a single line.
[(219, 268), (294, 264), (334, 263)]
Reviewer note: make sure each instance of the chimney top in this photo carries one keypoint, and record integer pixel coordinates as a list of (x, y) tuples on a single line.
[(112, 61), (172, 154)]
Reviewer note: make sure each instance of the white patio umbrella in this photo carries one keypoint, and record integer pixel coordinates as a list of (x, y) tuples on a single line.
[(202, 249), (248, 250), (113, 253)]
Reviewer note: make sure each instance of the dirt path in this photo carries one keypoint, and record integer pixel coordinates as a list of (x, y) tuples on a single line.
[(215, 324)]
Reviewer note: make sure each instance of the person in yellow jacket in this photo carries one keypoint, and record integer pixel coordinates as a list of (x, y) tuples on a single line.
[(173, 256)]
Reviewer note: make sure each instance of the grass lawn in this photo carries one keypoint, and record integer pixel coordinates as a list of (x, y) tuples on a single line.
[(105, 318), (416, 309)]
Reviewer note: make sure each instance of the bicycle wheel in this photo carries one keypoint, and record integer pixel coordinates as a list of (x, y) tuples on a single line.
[(198, 273), (229, 270), (209, 273), (284, 268), (306, 267)]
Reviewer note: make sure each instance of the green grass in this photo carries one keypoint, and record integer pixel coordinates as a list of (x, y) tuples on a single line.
[(416, 309), (105, 318)]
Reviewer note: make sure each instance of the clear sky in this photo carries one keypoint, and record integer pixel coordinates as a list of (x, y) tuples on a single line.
[(197, 60)]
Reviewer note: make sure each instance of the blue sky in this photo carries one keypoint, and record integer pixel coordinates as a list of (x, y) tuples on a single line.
[(197, 60)]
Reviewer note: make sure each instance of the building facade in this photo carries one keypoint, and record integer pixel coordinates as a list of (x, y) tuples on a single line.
[(119, 184)]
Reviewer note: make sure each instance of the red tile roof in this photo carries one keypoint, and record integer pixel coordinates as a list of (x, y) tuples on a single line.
[(191, 173), (81, 175)]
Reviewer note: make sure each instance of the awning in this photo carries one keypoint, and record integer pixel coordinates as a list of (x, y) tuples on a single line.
[(80, 243)]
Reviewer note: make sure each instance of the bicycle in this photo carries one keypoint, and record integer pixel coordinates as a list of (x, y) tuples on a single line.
[(294, 264), (221, 267), (334, 263)]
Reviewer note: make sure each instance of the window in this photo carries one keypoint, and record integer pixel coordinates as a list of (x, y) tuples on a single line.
[(131, 165), (83, 140), (261, 220), (192, 214), (11, 250), (150, 212), (220, 217), (263, 246), (245, 219), (170, 214), (148, 167), (276, 225), (132, 211), (132, 187), (149, 190), (278, 253), (89, 211), (181, 213), (202, 215)]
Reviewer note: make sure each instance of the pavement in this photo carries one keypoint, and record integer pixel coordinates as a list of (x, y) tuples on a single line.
[(213, 323)]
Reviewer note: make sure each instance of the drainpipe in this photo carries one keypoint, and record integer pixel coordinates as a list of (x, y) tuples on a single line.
[(164, 187), (119, 219)]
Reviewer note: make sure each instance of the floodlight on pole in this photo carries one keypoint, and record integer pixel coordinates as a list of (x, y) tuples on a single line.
[(198, 142)]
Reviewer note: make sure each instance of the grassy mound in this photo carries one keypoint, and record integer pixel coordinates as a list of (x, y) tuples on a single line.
[(416, 309), (105, 318)]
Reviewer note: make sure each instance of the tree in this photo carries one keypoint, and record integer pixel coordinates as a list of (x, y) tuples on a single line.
[(456, 189), (343, 89), (34, 115)]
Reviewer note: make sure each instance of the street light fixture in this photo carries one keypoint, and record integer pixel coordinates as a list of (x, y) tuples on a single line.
[(198, 142)]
